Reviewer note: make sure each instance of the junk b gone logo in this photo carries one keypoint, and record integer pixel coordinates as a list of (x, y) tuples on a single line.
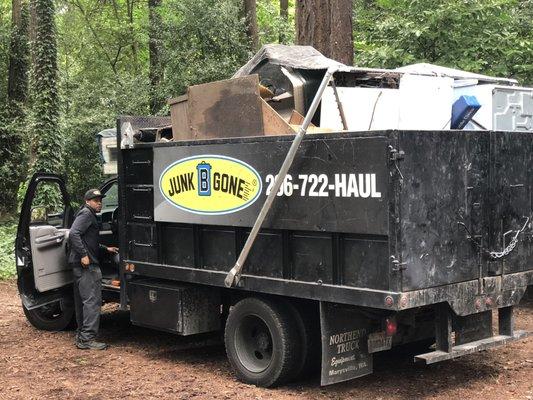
[(210, 184)]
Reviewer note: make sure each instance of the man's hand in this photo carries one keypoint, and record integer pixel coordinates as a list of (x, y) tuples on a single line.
[(113, 250), (85, 261)]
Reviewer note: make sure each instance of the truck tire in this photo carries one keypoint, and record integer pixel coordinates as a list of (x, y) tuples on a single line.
[(56, 316), (262, 343)]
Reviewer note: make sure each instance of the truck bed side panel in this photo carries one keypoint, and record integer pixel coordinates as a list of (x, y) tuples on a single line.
[(445, 178), (321, 233), (465, 194)]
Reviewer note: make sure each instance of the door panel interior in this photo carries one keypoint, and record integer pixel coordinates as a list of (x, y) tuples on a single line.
[(49, 255)]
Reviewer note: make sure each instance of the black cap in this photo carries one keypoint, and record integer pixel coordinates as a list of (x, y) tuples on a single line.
[(93, 194)]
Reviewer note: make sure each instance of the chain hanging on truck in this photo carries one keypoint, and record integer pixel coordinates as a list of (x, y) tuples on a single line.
[(496, 255)]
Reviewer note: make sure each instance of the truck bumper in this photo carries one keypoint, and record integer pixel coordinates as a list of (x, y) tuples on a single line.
[(472, 347)]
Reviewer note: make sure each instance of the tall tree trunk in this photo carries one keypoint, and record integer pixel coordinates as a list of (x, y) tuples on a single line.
[(341, 33), (284, 15), (46, 138), (12, 119), (327, 26), (250, 13), (154, 48)]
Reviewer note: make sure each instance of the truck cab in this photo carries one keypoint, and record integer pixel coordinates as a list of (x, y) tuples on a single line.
[(41, 247)]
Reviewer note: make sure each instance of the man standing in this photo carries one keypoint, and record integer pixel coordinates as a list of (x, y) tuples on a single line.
[(84, 244)]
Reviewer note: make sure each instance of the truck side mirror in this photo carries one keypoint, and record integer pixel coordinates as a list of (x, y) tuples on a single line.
[(39, 215)]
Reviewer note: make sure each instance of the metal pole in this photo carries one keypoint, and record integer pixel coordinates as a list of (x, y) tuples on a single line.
[(234, 274)]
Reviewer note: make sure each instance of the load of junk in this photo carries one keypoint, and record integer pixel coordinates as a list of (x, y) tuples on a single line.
[(273, 91)]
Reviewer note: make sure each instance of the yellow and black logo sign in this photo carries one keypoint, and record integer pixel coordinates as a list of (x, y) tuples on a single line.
[(210, 184)]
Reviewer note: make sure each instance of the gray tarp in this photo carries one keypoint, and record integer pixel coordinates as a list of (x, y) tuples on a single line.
[(299, 57), (307, 57)]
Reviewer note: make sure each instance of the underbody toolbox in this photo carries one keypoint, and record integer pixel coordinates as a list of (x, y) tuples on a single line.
[(180, 308)]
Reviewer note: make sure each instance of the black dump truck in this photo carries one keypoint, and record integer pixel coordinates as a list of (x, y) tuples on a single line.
[(370, 240)]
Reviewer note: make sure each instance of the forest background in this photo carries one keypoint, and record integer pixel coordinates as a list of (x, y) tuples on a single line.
[(68, 68)]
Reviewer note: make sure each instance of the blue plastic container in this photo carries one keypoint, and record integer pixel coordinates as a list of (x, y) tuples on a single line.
[(463, 110)]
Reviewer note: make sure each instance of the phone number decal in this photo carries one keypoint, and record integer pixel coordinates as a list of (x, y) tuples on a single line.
[(321, 185)]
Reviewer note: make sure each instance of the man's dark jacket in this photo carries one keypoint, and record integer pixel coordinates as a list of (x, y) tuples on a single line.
[(84, 237)]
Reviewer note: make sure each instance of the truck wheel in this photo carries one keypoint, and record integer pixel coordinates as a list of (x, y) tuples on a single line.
[(55, 316), (262, 342)]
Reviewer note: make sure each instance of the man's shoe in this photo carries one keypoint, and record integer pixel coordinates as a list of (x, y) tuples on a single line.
[(91, 345)]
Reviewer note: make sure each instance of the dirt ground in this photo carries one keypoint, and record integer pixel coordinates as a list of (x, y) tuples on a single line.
[(145, 364)]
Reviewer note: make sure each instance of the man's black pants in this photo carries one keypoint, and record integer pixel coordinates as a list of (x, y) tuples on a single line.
[(87, 300)]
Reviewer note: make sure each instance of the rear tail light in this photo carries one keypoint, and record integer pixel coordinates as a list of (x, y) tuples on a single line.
[(390, 326)]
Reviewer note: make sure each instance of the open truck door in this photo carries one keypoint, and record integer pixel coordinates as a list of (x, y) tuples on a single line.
[(44, 277)]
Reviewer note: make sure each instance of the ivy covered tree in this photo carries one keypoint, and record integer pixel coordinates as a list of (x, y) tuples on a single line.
[(46, 140)]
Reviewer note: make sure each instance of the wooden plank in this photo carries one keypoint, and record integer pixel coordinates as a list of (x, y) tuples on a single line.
[(297, 118), (179, 118), (273, 124)]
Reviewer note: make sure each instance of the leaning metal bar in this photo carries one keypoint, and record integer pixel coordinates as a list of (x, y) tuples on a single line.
[(234, 274), (339, 105)]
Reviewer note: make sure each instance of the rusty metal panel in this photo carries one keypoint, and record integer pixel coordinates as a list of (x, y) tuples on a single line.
[(230, 108)]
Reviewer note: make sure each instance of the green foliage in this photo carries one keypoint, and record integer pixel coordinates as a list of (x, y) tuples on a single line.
[(8, 230), (488, 36), (82, 166), (272, 27), (203, 40), (102, 76), (101, 40)]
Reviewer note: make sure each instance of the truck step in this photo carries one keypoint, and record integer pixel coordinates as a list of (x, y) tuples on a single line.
[(472, 347)]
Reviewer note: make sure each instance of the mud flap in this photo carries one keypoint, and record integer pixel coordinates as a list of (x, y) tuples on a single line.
[(344, 344)]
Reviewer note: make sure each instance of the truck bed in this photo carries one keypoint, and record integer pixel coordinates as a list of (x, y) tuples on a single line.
[(390, 220)]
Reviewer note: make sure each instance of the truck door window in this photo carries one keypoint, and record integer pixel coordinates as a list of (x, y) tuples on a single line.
[(110, 202), (48, 206), (109, 205)]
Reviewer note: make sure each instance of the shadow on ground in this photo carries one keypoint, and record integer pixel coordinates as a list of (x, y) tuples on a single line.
[(395, 373)]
